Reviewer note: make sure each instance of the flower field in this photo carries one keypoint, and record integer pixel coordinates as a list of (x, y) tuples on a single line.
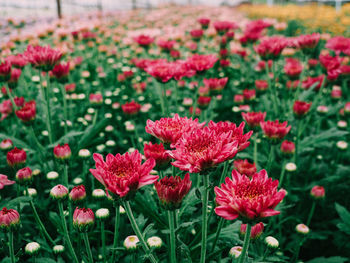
[(178, 134)]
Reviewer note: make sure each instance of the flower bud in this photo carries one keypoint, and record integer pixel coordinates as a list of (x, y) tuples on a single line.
[(235, 252), (245, 167), (78, 193), (291, 167), (342, 145), (172, 190), (16, 157), (24, 175), (32, 248), (102, 213), (155, 242), (58, 249), (302, 229), (31, 192), (83, 219), (271, 242), (317, 192), (53, 175), (256, 231), (62, 152), (287, 147), (84, 153), (6, 144), (98, 193), (9, 219), (59, 192), (131, 242)]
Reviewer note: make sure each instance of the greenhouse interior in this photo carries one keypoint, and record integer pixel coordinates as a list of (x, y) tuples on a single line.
[(183, 131)]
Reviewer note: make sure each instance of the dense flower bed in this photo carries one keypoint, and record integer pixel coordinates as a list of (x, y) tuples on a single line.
[(178, 134)]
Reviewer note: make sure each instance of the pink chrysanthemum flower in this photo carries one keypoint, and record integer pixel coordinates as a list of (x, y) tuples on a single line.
[(122, 174), (44, 58), (249, 199), (169, 130), (237, 132), (274, 130), (202, 149)]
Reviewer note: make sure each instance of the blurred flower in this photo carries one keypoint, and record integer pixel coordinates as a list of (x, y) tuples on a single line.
[(32, 248), (16, 157), (254, 119), (302, 229), (256, 231), (317, 192), (44, 58), (59, 192), (131, 108), (78, 193), (28, 112), (24, 175), (4, 181), (131, 242), (274, 130), (62, 152), (158, 153), (245, 167), (9, 219)]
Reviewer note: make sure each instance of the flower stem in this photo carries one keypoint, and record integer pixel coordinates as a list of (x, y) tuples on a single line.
[(245, 244), (87, 245), (255, 153), (95, 117), (172, 237), (65, 178), (66, 234), (269, 162), (283, 172), (38, 220), (160, 91), (116, 230), (137, 231), (204, 217), (65, 115), (46, 97), (311, 213), (12, 251), (10, 96), (103, 238), (217, 234), (297, 142), (223, 174)]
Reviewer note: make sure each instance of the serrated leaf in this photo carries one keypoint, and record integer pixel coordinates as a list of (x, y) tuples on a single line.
[(21, 199), (343, 213)]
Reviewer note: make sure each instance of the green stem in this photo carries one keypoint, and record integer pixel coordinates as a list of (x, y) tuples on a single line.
[(255, 153), (87, 245), (271, 88), (223, 174), (312, 211), (65, 178), (116, 231), (204, 217), (245, 244), (217, 234), (95, 117), (172, 236), (297, 142), (38, 220), (137, 231), (35, 139), (103, 238), (160, 91), (10, 96), (283, 172), (65, 115), (48, 116), (66, 234), (269, 162), (12, 251)]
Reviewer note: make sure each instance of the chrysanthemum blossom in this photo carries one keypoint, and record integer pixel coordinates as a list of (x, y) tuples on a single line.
[(237, 132), (248, 199), (44, 58), (274, 130), (123, 174), (169, 130), (5, 181), (202, 149)]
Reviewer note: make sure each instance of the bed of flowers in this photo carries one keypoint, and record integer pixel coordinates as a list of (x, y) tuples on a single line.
[(180, 134)]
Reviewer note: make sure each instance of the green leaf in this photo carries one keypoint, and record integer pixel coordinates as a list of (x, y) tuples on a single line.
[(14, 202), (45, 260), (345, 217), (90, 133), (328, 260)]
